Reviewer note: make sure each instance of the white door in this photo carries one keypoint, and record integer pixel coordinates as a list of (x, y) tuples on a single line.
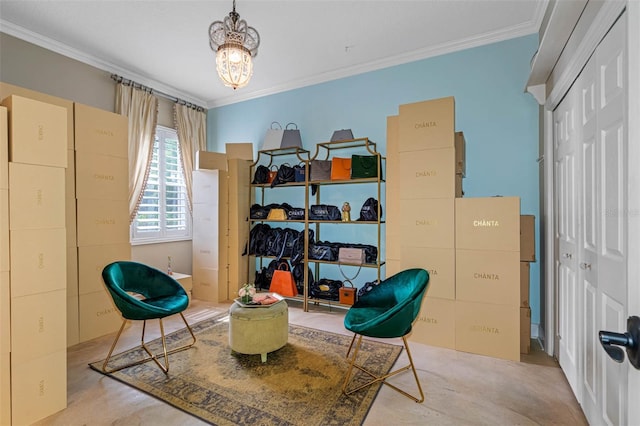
[(566, 157), (591, 175), (603, 257)]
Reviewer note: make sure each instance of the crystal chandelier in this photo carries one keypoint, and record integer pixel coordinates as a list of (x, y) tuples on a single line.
[(235, 44)]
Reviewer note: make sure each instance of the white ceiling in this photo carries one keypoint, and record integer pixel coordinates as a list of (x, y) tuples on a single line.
[(164, 44)]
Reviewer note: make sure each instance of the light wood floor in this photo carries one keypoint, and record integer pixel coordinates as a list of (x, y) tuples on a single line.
[(460, 388)]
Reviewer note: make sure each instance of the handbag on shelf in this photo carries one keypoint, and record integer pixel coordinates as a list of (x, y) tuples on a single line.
[(340, 168), (369, 210), (273, 171), (324, 212), (320, 170), (351, 255), (342, 135), (291, 137), (261, 175), (326, 288), (277, 214), (299, 171), (364, 166), (284, 174), (273, 138), (283, 282), (347, 294)]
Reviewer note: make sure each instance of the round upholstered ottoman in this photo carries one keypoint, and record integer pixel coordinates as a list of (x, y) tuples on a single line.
[(258, 330)]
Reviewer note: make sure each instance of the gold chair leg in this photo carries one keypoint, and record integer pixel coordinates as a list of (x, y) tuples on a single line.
[(152, 357), (382, 379)]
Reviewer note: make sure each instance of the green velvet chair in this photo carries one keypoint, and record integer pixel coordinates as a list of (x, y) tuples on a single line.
[(387, 311), (142, 293)]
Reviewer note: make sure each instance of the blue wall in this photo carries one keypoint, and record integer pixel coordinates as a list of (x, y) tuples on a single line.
[(499, 120)]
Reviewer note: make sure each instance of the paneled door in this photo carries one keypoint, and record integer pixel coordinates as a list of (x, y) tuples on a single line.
[(603, 259), (592, 228), (566, 161)]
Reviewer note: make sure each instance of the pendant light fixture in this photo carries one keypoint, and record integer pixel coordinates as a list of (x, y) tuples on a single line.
[(235, 44)]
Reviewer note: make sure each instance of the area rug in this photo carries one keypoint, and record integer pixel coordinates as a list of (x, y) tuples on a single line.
[(299, 384)]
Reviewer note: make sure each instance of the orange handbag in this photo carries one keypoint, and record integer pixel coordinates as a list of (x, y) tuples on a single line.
[(340, 168), (283, 282)]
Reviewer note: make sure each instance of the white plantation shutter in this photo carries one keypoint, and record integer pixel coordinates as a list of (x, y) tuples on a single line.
[(163, 214)]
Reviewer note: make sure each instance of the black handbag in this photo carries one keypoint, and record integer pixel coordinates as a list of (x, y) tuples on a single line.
[(285, 174), (326, 288), (323, 251), (261, 175), (369, 210), (324, 212), (298, 277)]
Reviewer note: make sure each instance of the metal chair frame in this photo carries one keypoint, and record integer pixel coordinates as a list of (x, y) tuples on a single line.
[(376, 379), (152, 357)]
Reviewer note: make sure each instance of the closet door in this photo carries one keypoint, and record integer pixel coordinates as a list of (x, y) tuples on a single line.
[(603, 259), (567, 187)]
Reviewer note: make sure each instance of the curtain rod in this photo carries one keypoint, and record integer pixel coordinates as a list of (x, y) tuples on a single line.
[(128, 82)]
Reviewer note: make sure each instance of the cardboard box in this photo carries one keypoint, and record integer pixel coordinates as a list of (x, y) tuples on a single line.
[(441, 265), (393, 158), (36, 197), (72, 271), (206, 160), (460, 144), (459, 190), (5, 312), (97, 315), (185, 281), (210, 285), (5, 388), (239, 151), (488, 329), (38, 387), (70, 175), (392, 267), (427, 223), (4, 148), (208, 225), (4, 230), (37, 132), (427, 124), (93, 259), (527, 238), (9, 89), (101, 177), (435, 324), (102, 222), (427, 174), (525, 272), (73, 321), (491, 223), (101, 132), (38, 325), (488, 276), (239, 201), (525, 330), (38, 261), (209, 186)]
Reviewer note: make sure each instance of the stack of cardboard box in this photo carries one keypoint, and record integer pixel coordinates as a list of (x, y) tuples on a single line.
[(422, 185), (102, 194), (488, 276), (527, 255), (36, 282), (221, 196), (471, 247), (5, 291)]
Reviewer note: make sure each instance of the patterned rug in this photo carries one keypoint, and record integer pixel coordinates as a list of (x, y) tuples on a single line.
[(299, 384)]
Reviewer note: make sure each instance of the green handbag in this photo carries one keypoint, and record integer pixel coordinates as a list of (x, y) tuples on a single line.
[(364, 166)]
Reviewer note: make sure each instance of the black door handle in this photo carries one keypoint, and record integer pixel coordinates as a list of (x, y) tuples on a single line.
[(614, 342)]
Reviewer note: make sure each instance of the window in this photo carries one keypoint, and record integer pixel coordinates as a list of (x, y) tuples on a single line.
[(163, 214)]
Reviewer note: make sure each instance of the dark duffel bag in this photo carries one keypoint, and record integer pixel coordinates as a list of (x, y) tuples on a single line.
[(324, 212), (326, 289)]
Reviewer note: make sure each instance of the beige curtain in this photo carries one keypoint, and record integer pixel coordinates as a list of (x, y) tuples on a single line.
[(191, 125), (141, 107)]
